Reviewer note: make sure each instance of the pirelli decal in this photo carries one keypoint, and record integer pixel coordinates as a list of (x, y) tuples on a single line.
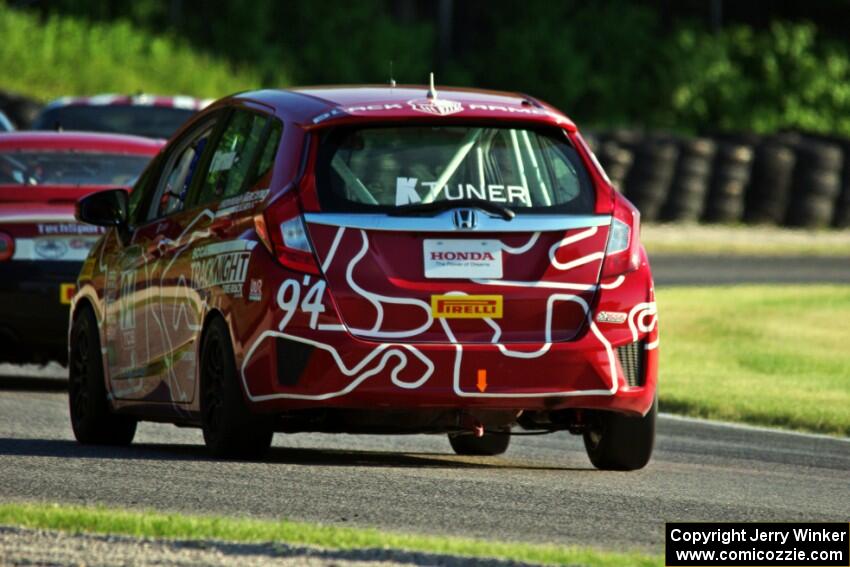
[(466, 306)]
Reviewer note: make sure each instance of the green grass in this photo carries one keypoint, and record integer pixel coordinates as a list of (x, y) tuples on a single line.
[(743, 240), (776, 356), (66, 56), (177, 526)]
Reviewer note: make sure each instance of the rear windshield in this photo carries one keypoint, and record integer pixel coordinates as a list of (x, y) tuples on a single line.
[(150, 121), (70, 168), (380, 168)]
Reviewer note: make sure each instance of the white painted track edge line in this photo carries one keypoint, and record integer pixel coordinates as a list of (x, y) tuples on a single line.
[(750, 427)]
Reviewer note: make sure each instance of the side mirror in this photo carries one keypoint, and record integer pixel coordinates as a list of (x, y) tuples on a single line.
[(104, 208)]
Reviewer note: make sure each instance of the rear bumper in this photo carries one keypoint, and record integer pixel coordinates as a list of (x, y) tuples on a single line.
[(302, 367), (33, 320), (579, 375)]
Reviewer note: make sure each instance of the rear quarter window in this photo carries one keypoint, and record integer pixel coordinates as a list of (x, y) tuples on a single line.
[(243, 156)]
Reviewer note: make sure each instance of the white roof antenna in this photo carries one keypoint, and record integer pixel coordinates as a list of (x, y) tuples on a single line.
[(432, 92)]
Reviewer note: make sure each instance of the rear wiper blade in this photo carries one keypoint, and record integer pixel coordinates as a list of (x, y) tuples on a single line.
[(440, 206)]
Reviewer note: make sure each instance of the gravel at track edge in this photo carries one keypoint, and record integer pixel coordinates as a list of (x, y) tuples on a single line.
[(23, 546)]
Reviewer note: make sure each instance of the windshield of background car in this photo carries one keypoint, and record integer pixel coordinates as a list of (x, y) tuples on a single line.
[(150, 121), (371, 169), (34, 168)]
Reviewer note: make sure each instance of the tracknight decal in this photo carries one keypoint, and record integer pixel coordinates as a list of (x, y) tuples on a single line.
[(223, 265)]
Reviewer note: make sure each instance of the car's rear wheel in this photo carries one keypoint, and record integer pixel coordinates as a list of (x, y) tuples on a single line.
[(494, 443), (620, 442), (91, 419), (230, 429)]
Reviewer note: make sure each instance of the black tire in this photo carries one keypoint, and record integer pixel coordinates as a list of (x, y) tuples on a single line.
[(732, 169), (648, 182), (817, 184), (688, 191), (617, 442), (591, 138), (616, 161), (230, 429), (489, 444), (770, 186), (92, 421), (842, 205)]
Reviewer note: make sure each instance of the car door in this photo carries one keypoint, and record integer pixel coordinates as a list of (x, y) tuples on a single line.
[(124, 326), (141, 365), (206, 263)]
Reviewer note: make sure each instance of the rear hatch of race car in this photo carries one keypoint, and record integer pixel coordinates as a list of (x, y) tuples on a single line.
[(443, 233), (37, 223), (39, 233)]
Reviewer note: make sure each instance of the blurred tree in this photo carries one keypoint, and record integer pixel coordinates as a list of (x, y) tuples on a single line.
[(639, 62), (338, 41), (597, 60), (787, 77)]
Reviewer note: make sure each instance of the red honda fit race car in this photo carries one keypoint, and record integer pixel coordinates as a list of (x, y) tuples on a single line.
[(369, 259)]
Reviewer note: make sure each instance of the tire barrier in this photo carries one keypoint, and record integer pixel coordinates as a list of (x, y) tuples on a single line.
[(841, 218), (841, 214), (616, 160), (688, 191), (592, 140), (625, 137), (770, 185), (648, 181), (816, 184), (792, 178), (729, 180)]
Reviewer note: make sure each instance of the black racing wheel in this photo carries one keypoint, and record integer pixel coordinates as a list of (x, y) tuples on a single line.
[(620, 442), (91, 418), (230, 429)]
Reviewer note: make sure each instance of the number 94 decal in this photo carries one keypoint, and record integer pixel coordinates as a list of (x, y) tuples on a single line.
[(289, 297)]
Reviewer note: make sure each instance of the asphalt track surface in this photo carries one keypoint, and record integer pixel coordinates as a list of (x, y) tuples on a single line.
[(543, 489), (719, 270)]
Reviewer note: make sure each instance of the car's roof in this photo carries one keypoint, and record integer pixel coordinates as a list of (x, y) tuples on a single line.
[(83, 141), (178, 101), (312, 106), (26, 212)]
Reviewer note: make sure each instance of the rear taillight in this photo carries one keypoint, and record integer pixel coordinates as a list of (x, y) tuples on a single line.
[(622, 254), (7, 247), (281, 229)]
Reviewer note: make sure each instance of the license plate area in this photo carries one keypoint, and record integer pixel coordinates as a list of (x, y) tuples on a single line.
[(462, 258)]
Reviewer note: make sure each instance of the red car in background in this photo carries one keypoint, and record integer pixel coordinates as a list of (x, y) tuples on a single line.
[(369, 259), (42, 246), (140, 115)]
